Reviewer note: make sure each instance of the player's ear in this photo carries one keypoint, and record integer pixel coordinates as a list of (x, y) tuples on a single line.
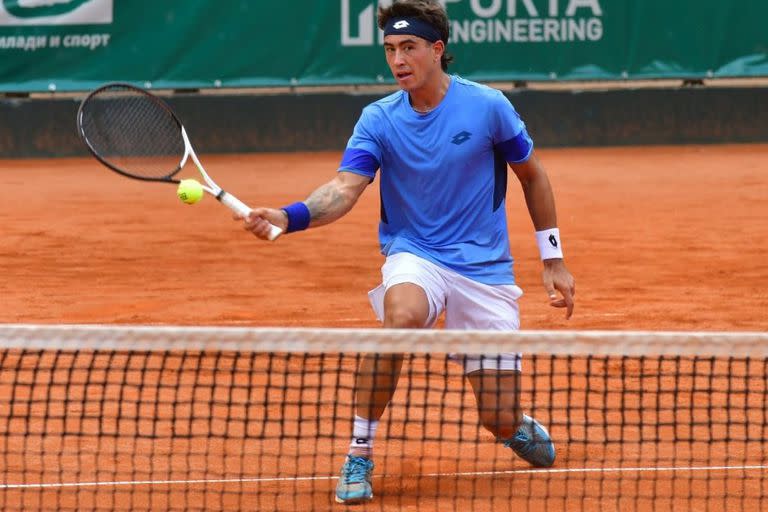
[(438, 48)]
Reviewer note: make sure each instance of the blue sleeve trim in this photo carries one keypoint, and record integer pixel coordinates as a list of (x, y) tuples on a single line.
[(518, 148), (298, 217), (359, 161), (359, 173)]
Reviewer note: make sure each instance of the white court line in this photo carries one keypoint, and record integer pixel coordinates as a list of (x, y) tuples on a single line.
[(426, 475)]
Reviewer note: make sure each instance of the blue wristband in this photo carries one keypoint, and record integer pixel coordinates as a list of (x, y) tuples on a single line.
[(298, 217)]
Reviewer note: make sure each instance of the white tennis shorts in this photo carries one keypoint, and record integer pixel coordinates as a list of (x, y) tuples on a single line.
[(467, 304)]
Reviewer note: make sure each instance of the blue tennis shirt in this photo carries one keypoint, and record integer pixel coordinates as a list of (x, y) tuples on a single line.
[(443, 176)]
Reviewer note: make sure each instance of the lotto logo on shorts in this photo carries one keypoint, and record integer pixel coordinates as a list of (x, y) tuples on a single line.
[(55, 12)]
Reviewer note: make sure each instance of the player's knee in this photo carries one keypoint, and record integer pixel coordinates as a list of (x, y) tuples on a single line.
[(400, 317), (388, 363)]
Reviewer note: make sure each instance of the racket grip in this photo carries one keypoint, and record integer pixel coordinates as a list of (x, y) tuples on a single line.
[(243, 210), (274, 232)]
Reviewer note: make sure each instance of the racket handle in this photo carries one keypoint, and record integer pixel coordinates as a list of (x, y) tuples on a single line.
[(241, 209), (274, 232)]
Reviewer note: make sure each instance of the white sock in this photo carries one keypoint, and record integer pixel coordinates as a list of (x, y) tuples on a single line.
[(362, 436)]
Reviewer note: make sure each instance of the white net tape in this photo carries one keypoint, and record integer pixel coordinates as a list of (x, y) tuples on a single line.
[(326, 340)]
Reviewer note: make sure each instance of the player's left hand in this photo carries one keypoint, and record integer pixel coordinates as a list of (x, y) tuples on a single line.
[(557, 279)]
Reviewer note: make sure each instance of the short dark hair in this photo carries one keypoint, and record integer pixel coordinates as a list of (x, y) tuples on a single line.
[(430, 11)]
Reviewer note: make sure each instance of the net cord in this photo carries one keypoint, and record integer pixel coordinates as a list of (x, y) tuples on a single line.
[(346, 340)]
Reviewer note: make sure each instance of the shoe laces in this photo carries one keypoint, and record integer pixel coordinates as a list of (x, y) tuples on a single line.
[(522, 442), (356, 469)]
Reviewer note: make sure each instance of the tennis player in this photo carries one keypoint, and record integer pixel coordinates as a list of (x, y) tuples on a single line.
[(442, 144)]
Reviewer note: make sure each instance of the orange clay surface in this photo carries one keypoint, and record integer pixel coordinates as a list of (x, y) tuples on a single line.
[(658, 238), (670, 238)]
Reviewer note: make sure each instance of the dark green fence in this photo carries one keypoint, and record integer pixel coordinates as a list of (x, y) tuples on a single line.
[(78, 44)]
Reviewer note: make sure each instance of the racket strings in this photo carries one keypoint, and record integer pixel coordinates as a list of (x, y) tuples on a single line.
[(133, 133)]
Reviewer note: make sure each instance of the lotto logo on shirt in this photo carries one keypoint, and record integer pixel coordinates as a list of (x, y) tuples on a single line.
[(461, 138), (55, 12)]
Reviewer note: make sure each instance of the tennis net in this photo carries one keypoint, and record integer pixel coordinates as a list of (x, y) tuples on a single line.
[(212, 418)]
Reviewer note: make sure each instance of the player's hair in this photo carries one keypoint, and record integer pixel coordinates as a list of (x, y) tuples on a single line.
[(430, 11)]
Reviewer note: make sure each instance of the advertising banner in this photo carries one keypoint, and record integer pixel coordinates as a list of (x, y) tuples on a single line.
[(48, 45)]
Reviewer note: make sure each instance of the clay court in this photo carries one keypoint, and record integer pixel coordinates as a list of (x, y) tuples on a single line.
[(658, 238)]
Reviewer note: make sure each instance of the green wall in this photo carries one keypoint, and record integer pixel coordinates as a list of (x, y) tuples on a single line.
[(236, 43)]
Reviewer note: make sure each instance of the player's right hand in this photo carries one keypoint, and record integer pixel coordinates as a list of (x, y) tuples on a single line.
[(258, 221), (557, 278)]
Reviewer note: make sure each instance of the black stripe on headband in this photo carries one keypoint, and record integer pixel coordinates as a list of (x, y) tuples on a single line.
[(412, 26)]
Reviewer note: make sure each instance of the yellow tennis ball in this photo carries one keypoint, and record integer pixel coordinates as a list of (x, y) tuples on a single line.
[(190, 191)]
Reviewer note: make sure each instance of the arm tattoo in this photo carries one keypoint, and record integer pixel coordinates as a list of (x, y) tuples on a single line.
[(326, 203)]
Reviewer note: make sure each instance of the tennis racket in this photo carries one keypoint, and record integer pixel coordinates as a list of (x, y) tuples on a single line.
[(134, 133)]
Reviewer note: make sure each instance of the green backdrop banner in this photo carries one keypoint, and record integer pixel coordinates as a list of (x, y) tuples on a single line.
[(77, 44)]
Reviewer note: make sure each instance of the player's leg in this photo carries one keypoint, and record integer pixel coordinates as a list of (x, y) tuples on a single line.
[(497, 393), (406, 306), (410, 297), (495, 378), (498, 402)]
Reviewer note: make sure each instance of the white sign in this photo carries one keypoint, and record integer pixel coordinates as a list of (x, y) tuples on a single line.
[(55, 12), (491, 21)]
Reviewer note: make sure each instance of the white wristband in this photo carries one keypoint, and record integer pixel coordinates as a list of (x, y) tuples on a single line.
[(549, 243)]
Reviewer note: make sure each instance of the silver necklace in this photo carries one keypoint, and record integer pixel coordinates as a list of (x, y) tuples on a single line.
[(423, 110)]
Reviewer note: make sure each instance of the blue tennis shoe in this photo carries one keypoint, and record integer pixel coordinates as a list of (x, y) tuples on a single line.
[(355, 481), (532, 443)]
